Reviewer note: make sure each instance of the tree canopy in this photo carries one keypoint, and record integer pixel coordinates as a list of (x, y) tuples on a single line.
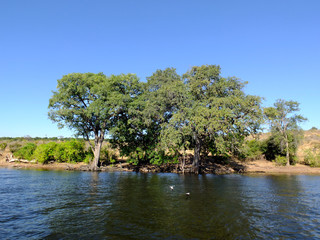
[(158, 120), (89, 104), (283, 121), (215, 116), (200, 110)]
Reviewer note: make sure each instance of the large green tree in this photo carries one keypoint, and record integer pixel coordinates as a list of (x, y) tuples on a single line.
[(89, 104), (138, 131), (283, 121), (216, 115)]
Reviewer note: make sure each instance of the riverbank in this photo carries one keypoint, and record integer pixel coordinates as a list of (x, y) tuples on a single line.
[(264, 166), (257, 166)]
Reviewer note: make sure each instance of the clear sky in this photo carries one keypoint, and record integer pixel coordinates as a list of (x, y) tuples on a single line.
[(272, 44)]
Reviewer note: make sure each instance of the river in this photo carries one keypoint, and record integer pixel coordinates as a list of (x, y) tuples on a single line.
[(38, 204)]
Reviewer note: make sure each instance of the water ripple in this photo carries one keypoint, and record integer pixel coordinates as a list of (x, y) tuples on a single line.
[(82, 205)]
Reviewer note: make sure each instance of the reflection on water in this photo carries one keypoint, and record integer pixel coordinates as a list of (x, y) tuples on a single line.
[(84, 205)]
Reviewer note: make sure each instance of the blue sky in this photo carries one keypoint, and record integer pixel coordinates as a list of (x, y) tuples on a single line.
[(274, 45)]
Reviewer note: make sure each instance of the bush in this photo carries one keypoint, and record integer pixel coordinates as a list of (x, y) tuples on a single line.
[(59, 153), (26, 152), (45, 152), (161, 157), (280, 160), (293, 160), (156, 158), (88, 157), (3, 146), (274, 146), (136, 156), (70, 151), (311, 159), (108, 154), (253, 150), (74, 151)]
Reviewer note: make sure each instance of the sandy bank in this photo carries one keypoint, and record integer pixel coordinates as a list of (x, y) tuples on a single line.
[(263, 166), (258, 166)]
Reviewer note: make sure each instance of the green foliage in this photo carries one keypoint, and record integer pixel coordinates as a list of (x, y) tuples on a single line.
[(137, 156), (88, 158), (160, 157), (200, 108), (26, 152), (91, 104), (45, 152), (293, 160), (59, 153), (283, 122), (272, 147), (137, 131), (276, 146), (280, 160), (311, 158), (108, 154), (216, 115), (157, 158), (253, 150), (70, 151), (3, 146)]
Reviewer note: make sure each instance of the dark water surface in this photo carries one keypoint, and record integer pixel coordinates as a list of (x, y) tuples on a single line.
[(84, 205)]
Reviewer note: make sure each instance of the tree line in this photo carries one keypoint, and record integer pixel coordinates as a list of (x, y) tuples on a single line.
[(162, 118)]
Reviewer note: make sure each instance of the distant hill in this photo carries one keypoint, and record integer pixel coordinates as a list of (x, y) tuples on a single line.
[(311, 141)]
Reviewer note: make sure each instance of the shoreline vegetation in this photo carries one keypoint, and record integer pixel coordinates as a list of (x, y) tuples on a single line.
[(258, 165), (159, 122), (198, 122), (261, 166)]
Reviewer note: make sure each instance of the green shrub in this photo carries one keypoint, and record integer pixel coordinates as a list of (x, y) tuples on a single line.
[(161, 157), (136, 156), (26, 152), (280, 160), (70, 151), (45, 152), (311, 159), (275, 146), (88, 158), (108, 154), (173, 156), (156, 158), (59, 153), (74, 151), (293, 160), (3, 146), (253, 150)]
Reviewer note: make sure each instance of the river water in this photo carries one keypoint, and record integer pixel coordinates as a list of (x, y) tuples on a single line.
[(123, 205)]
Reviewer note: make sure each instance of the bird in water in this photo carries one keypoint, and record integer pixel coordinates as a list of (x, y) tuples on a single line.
[(171, 187)]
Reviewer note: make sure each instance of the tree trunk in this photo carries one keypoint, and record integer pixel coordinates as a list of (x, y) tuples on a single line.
[(96, 160), (287, 150), (183, 161), (196, 157)]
